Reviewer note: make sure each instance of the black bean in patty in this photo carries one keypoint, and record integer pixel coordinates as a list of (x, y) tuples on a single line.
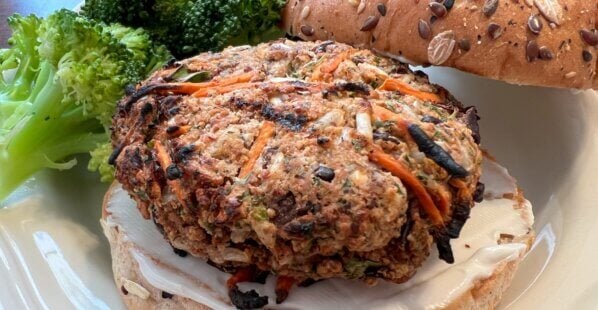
[(173, 172), (324, 173)]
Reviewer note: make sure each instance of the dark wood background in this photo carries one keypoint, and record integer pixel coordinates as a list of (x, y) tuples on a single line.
[(25, 7)]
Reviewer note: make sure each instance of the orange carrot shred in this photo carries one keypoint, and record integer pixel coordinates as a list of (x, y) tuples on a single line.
[(463, 190), (241, 78), (328, 67), (397, 85), (204, 92), (384, 114), (163, 157), (178, 131), (397, 169), (184, 129), (443, 201), (266, 132), (184, 88), (165, 161), (228, 80), (242, 275), (283, 287), (191, 88)]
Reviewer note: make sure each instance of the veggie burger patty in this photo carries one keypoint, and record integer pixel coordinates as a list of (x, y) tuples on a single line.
[(309, 160)]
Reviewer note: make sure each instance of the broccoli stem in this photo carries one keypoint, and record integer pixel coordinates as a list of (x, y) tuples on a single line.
[(23, 79), (53, 130), (17, 169), (46, 104), (14, 173), (9, 103), (28, 65)]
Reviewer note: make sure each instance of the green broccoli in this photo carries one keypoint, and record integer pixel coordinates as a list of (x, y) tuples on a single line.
[(59, 84), (213, 25), (20, 62), (168, 26), (139, 42), (99, 162), (188, 27), (131, 13)]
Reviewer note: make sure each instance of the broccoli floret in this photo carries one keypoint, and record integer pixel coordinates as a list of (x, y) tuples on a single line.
[(259, 23), (19, 62), (99, 162), (59, 95), (188, 27), (136, 13), (213, 25), (167, 26), (139, 42), (162, 18)]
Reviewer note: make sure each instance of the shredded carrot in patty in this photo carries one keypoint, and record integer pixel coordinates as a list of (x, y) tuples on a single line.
[(245, 274), (241, 78), (442, 197), (283, 287), (399, 170), (463, 189), (163, 157), (184, 88), (266, 132), (325, 69), (384, 114), (204, 92), (165, 161), (400, 86), (191, 88), (176, 131)]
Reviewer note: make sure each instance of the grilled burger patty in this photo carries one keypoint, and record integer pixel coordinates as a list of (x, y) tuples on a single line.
[(307, 159)]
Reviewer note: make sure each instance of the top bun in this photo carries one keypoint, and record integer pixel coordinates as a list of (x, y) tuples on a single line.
[(529, 42)]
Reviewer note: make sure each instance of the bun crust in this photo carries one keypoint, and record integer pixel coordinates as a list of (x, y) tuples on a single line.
[(464, 35), (485, 294)]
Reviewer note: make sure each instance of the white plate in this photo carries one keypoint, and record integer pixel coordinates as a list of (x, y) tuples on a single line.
[(53, 255)]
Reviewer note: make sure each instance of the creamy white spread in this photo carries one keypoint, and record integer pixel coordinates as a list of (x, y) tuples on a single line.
[(436, 284), (499, 182)]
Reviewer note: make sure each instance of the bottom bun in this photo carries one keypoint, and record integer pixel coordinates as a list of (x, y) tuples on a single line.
[(487, 293), (136, 291), (150, 275)]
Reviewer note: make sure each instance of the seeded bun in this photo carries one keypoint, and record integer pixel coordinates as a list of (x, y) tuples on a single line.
[(491, 38)]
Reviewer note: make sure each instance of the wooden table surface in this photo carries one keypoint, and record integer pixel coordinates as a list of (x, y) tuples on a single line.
[(25, 7)]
